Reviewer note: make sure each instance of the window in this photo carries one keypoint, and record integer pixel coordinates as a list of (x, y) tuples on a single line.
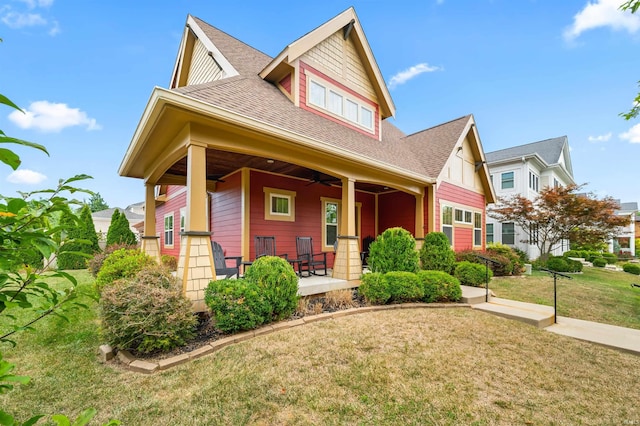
[(556, 184), (507, 180), (508, 233), (183, 219), (279, 204), (463, 216), (331, 209), (459, 214), (168, 230), (447, 222), (489, 233), (477, 229), (491, 179), (533, 233), (534, 181), (339, 104), (467, 216)]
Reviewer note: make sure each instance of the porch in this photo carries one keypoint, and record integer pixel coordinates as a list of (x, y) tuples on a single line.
[(317, 284)]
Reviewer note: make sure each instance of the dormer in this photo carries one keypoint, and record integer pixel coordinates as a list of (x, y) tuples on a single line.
[(331, 72)]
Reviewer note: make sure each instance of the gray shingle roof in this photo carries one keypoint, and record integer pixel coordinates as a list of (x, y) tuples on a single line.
[(629, 207), (550, 150), (247, 94), (107, 213)]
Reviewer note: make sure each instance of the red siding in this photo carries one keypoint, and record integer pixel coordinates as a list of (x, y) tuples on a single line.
[(286, 83), (173, 204), (303, 101), (367, 215), (462, 236), (226, 214), (397, 209)]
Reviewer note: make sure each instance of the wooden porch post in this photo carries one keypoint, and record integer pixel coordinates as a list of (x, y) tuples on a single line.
[(195, 265), (149, 240), (419, 232), (347, 265), (431, 202)]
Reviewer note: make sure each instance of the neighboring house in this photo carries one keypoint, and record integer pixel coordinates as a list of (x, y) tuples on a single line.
[(525, 170), (102, 221), (243, 144), (625, 242)]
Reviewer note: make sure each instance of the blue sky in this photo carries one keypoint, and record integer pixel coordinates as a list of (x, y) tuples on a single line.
[(527, 70)]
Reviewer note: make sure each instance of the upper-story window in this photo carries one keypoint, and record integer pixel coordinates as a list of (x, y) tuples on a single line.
[(508, 181), (340, 104), (534, 181), (556, 183)]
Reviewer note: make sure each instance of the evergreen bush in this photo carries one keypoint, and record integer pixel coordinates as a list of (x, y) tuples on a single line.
[(631, 268), (472, 274), (146, 312), (611, 258), (95, 263), (237, 305), (403, 286), (439, 286), (599, 262), (119, 231), (373, 287), (513, 266), (393, 250), (278, 282), (121, 264), (436, 254)]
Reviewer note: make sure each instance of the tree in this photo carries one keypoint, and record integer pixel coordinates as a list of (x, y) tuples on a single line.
[(96, 203), (83, 239), (561, 213), (633, 6), (119, 231), (89, 229)]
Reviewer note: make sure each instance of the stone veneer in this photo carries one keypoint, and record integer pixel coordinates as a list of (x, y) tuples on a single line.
[(347, 265), (149, 245), (195, 267)]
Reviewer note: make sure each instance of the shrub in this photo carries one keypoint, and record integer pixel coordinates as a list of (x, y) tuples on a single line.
[(572, 253), (237, 305), (146, 312), (599, 262), (95, 263), (631, 268), (169, 261), (557, 263), (278, 283), (574, 265), (611, 258), (436, 253), (119, 230), (472, 274), (120, 264), (403, 286), (393, 250), (438, 286), (513, 266), (75, 254), (503, 267), (373, 287)]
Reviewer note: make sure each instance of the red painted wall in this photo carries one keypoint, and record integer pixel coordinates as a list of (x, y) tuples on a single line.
[(397, 209), (286, 83), (303, 101), (175, 200), (226, 214), (462, 237)]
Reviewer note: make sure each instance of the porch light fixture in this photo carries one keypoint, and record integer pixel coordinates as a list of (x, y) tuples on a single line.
[(270, 161)]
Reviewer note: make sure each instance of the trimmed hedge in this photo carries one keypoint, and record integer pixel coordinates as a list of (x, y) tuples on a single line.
[(374, 288), (563, 264), (278, 283), (403, 286), (426, 286), (631, 268), (436, 253), (122, 263), (146, 313), (472, 274), (599, 262), (393, 250), (438, 286), (237, 305)]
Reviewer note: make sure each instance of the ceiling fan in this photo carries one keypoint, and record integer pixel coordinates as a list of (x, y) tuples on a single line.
[(317, 178), (215, 178)]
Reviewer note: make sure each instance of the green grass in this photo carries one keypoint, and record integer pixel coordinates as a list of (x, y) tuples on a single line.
[(423, 366), (595, 295)]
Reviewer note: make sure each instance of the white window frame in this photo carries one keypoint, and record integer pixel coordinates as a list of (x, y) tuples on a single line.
[(492, 233), (183, 219), (512, 180), (534, 181), (444, 225), (270, 194), (502, 234), (315, 81), (477, 227), (168, 233), (325, 224), (466, 216)]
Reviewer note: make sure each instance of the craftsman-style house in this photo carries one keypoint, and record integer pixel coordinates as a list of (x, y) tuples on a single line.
[(242, 144)]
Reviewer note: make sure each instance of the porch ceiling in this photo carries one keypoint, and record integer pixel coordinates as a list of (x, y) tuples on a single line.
[(222, 163)]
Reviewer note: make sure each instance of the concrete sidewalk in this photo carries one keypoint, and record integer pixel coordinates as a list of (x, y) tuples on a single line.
[(611, 336)]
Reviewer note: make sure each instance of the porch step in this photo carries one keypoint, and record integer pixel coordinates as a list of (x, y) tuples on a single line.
[(537, 315), (473, 295)]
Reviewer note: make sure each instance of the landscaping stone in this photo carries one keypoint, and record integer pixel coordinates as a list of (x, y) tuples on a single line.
[(221, 343), (345, 312), (263, 330), (241, 337), (125, 357), (201, 351), (163, 364), (319, 317), (145, 367), (106, 353)]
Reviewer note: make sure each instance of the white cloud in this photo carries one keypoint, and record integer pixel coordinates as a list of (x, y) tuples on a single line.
[(29, 16), (52, 117), (21, 20), (26, 176), (406, 75), (55, 29), (602, 13), (600, 138), (32, 4), (633, 135)]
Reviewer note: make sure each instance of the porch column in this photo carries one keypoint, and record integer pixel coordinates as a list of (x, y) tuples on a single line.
[(419, 232), (431, 202), (149, 240), (347, 264), (195, 265)]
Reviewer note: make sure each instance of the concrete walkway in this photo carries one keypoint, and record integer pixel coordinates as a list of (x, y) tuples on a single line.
[(611, 336)]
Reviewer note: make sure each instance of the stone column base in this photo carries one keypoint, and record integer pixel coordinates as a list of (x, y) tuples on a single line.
[(419, 243), (347, 264), (195, 267), (151, 246)]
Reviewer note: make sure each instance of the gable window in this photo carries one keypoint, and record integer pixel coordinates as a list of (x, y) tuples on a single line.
[(507, 180), (279, 204), (340, 104), (447, 222), (477, 229), (508, 233), (489, 233), (534, 181), (168, 230)]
